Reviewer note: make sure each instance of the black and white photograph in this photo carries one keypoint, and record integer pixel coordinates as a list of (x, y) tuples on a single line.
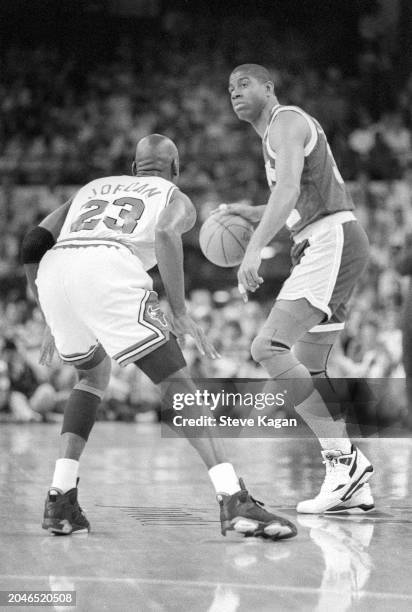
[(206, 305)]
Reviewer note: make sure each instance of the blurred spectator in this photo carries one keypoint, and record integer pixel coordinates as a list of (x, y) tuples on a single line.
[(362, 139), (382, 162), (14, 406), (397, 136)]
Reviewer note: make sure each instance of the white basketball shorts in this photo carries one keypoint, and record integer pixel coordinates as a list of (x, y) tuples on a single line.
[(100, 296), (335, 257)]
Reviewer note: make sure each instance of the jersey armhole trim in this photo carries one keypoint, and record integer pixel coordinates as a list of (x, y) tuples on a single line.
[(169, 194), (313, 131)]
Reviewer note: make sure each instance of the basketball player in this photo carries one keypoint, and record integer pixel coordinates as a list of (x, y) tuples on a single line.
[(87, 265), (330, 252)]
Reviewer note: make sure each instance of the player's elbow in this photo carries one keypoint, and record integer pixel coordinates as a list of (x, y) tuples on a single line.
[(289, 188), (167, 235), (164, 231), (293, 189)]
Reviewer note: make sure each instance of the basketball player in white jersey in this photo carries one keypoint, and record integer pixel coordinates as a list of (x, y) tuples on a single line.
[(329, 254), (87, 264)]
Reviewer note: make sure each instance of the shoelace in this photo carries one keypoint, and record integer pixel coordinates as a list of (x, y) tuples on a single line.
[(334, 470), (331, 461), (257, 502), (244, 495)]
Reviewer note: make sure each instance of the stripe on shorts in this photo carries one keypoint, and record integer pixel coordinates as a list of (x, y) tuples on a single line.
[(337, 259), (78, 356), (297, 286), (327, 327), (90, 359), (157, 338)]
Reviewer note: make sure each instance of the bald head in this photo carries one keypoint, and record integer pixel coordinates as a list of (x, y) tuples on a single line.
[(158, 155), (260, 73)]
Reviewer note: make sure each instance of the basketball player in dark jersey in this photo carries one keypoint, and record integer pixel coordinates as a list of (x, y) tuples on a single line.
[(330, 253)]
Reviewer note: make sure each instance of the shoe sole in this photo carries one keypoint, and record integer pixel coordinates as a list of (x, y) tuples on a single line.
[(355, 486), (57, 527), (360, 509), (251, 528)]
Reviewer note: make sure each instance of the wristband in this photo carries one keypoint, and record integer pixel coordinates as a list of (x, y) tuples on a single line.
[(35, 244)]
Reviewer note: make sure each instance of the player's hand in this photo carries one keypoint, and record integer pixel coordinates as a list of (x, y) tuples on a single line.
[(184, 325), (248, 274), (47, 348), (239, 208)]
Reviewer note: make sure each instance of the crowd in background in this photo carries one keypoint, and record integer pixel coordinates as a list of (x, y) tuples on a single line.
[(67, 114), (64, 121), (371, 344)]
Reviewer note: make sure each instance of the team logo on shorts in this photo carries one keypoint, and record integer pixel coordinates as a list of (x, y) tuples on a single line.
[(156, 314)]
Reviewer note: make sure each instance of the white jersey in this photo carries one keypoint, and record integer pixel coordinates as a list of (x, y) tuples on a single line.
[(123, 209)]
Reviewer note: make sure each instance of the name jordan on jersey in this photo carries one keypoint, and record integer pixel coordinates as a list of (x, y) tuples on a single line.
[(117, 209)]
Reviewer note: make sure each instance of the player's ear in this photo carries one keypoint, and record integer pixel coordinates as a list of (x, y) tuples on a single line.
[(134, 169), (270, 87), (175, 168)]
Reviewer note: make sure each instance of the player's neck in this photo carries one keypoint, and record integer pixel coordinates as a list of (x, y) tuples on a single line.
[(149, 173), (262, 121)]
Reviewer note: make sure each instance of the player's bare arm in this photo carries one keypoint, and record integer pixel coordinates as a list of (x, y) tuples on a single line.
[(287, 137), (36, 243), (176, 219)]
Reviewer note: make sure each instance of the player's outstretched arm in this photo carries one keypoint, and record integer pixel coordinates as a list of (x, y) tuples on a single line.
[(39, 240), (35, 244), (287, 138), (176, 219)]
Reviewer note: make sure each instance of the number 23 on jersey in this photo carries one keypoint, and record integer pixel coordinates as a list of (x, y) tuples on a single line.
[(130, 211)]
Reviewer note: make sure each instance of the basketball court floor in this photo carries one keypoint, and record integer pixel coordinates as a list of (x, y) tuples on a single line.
[(155, 543)]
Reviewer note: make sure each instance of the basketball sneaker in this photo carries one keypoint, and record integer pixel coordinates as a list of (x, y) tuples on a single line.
[(242, 513), (360, 502), (62, 513), (345, 475)]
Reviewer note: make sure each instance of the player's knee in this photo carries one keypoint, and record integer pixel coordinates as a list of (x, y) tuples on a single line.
[(264, 348), (95, 379), (260, 349), (280, 363)]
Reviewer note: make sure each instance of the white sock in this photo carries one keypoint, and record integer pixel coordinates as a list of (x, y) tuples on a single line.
[(342, 444), (224, 479), (65, 474)]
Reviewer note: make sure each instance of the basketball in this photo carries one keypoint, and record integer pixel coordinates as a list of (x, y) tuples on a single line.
[(223, 239)]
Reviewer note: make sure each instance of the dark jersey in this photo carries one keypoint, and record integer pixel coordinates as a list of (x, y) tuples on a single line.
[(322, 189)]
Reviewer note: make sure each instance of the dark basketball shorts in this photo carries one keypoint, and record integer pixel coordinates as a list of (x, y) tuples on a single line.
[(334, 257)]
